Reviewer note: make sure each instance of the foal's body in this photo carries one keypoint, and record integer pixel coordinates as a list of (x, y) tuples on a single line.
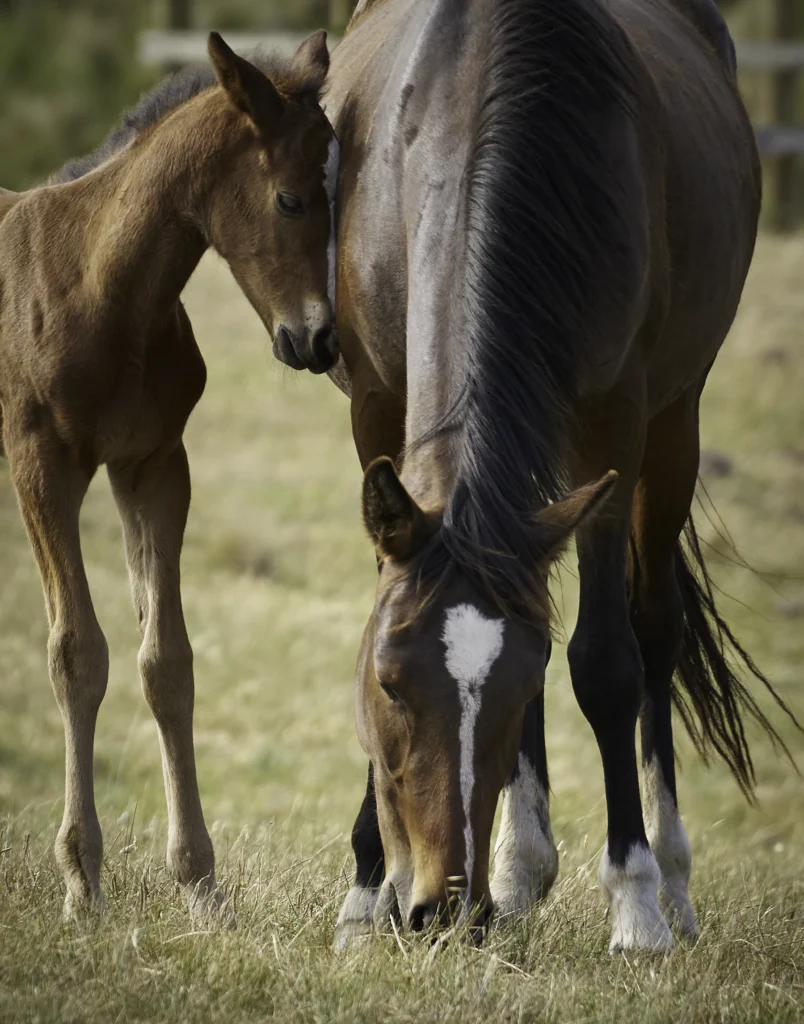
[(546, 215), (99, 365)]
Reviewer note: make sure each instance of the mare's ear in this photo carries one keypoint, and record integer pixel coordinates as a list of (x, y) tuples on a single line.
[(311, 60), (556, 523), (394, 521), (248, 89)]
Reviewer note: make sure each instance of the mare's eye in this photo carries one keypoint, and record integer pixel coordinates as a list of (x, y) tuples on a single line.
[(289, 204), (391, 693)]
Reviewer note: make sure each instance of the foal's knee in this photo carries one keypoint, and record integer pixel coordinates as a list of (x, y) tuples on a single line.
[(78, 662), (167, 679), (607, 674)]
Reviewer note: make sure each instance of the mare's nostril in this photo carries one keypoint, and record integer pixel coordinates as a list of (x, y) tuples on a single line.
[(422, 916), (324, 346)]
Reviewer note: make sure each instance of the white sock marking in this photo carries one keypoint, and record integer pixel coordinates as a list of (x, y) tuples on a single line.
[(525, 857), (473, 644), (330, 187), (668, 840), (633, 894)]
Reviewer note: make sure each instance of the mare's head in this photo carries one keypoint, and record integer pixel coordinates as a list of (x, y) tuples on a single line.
[(271, 214), (443, 678)]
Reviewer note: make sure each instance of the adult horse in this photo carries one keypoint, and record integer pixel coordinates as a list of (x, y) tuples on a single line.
[(546, 215), (98, 364)]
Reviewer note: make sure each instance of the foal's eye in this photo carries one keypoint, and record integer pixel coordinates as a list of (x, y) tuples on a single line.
[(391, 693), (289, 204)]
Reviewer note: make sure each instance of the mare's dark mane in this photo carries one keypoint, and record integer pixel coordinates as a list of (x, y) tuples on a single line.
[(174, 91), (541, 224)]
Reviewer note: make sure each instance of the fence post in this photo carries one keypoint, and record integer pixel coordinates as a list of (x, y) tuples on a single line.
[(784, 103), (179, 14)]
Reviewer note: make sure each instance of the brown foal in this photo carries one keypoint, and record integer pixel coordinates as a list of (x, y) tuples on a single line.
[(98, 364)]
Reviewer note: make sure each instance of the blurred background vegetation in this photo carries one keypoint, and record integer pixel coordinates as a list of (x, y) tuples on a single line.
[(69, 67)]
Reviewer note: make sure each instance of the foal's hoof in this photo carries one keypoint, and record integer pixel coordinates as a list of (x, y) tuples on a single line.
[(208, 905), (77, 908)]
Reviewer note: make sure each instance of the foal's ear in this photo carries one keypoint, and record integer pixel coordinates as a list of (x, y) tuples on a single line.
[(394, 521), (248, 89), (311, 60), (556, 523)]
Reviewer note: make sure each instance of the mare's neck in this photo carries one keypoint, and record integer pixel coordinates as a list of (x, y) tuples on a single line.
[(431, 467), (145, 233)]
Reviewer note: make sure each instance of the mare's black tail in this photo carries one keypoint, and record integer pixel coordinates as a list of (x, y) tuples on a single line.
[(708, 694)]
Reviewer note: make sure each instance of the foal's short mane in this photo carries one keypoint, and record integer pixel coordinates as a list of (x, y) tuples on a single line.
[(171, 93), (542, 223)]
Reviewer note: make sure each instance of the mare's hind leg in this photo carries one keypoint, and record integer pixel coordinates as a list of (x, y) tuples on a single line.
[(355, 920), (607, 675), (661, 506), (153, 499), (525, 856), (51, 481)]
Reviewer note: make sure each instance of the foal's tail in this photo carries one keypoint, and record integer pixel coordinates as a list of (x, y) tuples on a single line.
[(710, 698)]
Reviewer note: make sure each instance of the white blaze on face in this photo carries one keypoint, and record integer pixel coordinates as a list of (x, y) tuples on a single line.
[(473, 644), (330, 187)]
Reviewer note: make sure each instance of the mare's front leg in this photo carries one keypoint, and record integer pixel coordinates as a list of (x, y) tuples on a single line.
[(355, 921), (153, 499), (378, 419), (525, 857), (608, 676), (51, 480)]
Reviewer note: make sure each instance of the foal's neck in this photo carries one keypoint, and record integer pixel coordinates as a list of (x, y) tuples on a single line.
[(145, 233)]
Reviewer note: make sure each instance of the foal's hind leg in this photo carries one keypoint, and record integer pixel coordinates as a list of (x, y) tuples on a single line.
[(525, 857), (51, 482), (661, 507), (355, 921), (607, 676), (153, 499)]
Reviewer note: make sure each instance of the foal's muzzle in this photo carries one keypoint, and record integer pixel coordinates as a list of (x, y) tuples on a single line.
[(314, 350)]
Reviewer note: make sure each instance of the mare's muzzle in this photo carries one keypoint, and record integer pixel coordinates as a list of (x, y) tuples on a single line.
[(313, 350)]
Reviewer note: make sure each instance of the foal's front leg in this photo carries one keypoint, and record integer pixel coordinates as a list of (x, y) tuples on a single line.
[(51, 482), (525, 857), (153, 500)]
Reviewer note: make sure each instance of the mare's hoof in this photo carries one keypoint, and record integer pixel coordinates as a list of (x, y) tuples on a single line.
[(355, 925)]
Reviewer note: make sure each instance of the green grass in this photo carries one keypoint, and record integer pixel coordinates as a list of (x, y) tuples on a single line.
[(278, 582)]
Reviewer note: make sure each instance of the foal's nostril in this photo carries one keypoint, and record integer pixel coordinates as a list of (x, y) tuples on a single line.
[(422, 916), (285, 350)]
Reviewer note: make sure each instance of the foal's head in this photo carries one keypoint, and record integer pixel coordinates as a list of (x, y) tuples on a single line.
[(442, 683), (272, 213)]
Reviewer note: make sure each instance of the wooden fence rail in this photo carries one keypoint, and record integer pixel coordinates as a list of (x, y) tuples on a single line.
[(781, 141)]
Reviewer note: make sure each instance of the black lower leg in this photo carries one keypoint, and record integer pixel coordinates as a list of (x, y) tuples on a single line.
[(366, 841), (532, 745), (607, 678), (658, 621)]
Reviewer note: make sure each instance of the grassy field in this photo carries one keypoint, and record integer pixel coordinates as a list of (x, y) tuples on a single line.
[(278, 582)]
